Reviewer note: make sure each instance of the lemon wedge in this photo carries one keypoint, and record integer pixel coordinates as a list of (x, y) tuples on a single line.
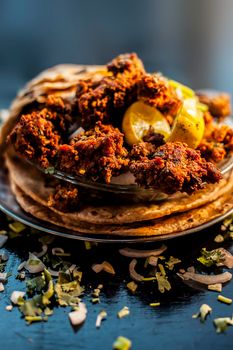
[(137, 120), (189, 125)]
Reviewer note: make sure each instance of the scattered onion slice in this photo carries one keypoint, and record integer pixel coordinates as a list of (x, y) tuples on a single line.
[(34, 264), (43, 251), (133, 274), (15, 296), (21, 266), (101, 316), (136, 253), (105, 266), (3, 240), (1, 287), (3, 277), (206, 279), (227, 258), (53, 273), (71, 268), (77, 317), (59, 252)]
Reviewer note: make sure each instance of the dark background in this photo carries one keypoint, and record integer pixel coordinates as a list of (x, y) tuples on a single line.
[(189, 40)]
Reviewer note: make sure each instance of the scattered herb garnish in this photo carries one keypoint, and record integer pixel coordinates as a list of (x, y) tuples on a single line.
[(222, 323), (210, 258), (123, 312), (171, 262), (224, 299), (122, 343), (204, 311), (101, 316)]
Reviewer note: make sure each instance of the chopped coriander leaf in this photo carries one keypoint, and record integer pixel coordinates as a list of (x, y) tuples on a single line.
[(224, 299), (50, 170), (154, 304), (122, 343), (210, 258), (36, 284), (31, 319), (163, 283), (171, 262), (17, 227)]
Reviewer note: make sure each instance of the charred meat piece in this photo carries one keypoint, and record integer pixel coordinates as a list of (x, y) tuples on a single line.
[(155, 91), (142, 150), (97, 154), (217, 144), (174, 167), (128, 64), (153, 137), (35, 136), (65, 198), (106, 100), (219, 103)]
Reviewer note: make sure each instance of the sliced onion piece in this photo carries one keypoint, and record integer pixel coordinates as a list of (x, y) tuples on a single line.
[(42, 252), (206, 279), (3, 277), (1, 287), (21, 266), (53, 273), (34, 264), (77, 317), (137, 253), (3, 240), (133, 274), (16, 295), (227, 258), (101, 316), (59, 252), (105, 266)]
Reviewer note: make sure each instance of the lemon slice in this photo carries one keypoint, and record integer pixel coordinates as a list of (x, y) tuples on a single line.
[(137, 120), (189, 125)]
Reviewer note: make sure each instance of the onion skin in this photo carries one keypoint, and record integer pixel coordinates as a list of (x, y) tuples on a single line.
[(105, 266), (133, 274), (137, 253), (206, 279)]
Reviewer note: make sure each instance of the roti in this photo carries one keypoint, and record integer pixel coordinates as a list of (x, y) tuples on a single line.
[(164, 226), (33, 183)]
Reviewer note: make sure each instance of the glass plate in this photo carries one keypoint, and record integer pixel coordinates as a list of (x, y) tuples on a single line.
[(121, 193), (10, 207)]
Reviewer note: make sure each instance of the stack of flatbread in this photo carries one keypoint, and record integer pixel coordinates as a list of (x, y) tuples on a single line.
[(32, 190)]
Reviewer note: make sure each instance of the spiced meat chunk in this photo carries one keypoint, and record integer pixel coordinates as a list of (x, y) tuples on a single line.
[(106, 100), (219, 103), (155, 91), (218, 143), (97, 154), (65, 198), (174, 167), (36, 138)]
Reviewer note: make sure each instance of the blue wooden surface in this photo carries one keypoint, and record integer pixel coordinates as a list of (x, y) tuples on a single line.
[(169, 326)]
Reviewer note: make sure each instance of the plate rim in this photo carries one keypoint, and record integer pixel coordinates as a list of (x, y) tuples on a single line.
[(103, 238)]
